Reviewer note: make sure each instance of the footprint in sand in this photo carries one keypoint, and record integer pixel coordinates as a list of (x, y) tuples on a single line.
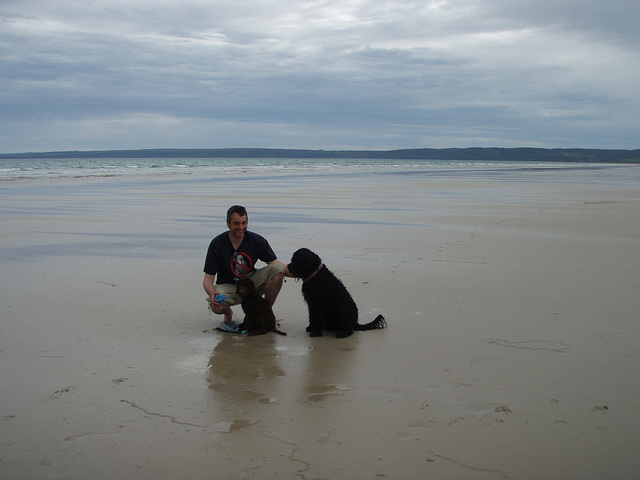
[(323, 392), (546, 345), (233, 425), (58, 393), (249, 395)]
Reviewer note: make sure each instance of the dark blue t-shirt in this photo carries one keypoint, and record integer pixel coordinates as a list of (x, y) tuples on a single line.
[(228, 264)]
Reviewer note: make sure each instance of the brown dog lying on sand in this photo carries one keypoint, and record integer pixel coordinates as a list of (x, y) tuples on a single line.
[(259, 318)]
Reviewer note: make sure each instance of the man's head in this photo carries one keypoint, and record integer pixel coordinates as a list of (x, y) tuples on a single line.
[(240, 210), (237, 222)]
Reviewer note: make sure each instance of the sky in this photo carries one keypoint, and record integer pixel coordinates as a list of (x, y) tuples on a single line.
[(346, 74)]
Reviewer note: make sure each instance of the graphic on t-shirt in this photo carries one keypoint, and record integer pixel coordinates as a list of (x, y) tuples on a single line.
[(241, 264)]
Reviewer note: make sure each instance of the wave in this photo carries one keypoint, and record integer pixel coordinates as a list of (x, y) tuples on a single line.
[(78, 168)]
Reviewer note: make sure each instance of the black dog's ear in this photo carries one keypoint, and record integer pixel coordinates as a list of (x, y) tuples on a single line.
[(312, 259)]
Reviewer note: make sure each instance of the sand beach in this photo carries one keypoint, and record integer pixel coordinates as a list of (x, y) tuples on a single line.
[(512, 351)]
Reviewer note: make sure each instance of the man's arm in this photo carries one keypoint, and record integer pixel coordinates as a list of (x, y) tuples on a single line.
[(209, 283), (286, 269)]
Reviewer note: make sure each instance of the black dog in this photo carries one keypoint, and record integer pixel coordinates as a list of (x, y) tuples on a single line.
[(259, 318), (330, 304)]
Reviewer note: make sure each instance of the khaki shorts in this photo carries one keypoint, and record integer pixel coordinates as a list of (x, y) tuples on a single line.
[(259, 278)]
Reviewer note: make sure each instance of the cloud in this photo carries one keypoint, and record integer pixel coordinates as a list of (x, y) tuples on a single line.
[(318, 74)]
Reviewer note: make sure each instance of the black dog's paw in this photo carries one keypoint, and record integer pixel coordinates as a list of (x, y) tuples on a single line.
[(343, 334), (316, 334)]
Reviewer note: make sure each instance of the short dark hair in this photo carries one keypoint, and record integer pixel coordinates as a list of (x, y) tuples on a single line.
[(240, 210)]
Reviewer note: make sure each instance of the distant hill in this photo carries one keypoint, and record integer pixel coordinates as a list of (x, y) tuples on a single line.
[(473, 154)]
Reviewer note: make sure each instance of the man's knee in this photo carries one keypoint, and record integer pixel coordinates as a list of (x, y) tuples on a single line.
[(267, 276), (276, 279), (275, 270), (219, 309)]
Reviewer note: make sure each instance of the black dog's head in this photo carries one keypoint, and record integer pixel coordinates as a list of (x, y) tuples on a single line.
[(303, 263), (245, 287)]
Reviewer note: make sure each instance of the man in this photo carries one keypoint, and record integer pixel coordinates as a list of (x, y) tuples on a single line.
[(231, 256)]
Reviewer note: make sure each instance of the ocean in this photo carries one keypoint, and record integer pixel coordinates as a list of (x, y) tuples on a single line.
[(39, 169)]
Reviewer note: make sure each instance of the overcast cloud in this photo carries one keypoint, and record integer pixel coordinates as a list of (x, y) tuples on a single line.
[(361, 74)]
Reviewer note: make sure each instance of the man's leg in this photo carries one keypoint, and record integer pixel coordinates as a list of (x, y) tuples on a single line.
[(268, 281), (229, 290), (223, 309), (272, 288)]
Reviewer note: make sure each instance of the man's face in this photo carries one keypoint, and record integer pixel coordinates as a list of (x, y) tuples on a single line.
[(238, 225)]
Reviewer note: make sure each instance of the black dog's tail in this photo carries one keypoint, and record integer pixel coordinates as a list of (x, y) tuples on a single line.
[(379, 322)]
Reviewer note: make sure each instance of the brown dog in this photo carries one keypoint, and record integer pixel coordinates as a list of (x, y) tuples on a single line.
[(259, 318)]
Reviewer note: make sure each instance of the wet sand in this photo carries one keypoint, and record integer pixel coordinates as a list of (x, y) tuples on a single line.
[(512, 352)]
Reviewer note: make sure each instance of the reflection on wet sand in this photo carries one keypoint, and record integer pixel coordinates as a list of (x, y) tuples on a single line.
[(327, 368), (283, 405), (245, 369), (245, 372)]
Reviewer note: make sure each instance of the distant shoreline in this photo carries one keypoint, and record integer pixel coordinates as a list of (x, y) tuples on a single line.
[(474, 154)]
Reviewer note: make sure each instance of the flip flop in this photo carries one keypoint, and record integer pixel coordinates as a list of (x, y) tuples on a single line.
[(230, 327)]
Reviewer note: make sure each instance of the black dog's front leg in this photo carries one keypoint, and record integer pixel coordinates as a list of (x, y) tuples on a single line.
[(315, 323)]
